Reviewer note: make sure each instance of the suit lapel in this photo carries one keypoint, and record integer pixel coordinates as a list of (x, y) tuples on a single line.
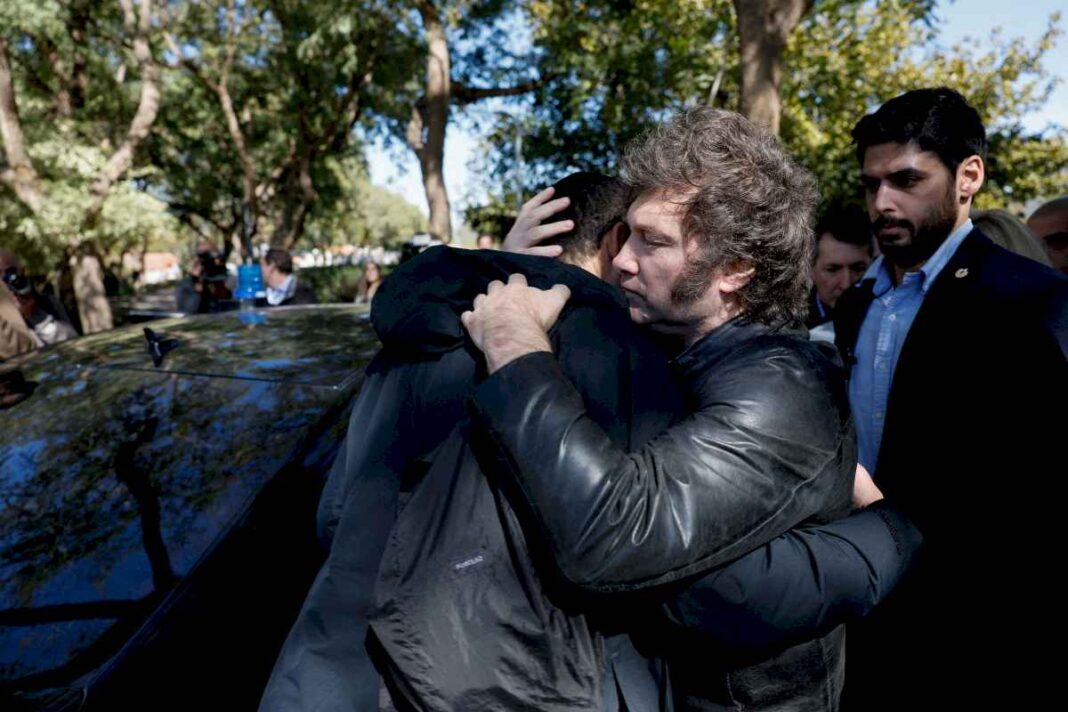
[(848, 318), (951, 299)]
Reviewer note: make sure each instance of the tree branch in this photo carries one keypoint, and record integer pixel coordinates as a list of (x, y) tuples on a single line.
[(20, 174), (147, 108), (463, 94)]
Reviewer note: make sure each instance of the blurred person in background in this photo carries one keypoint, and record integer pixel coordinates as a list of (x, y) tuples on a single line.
[(1050, 224), (843, 254), (40, 312), (15, 336), (1005, 229), (370, 281), (283, 287), (486, 242), (205, 286)]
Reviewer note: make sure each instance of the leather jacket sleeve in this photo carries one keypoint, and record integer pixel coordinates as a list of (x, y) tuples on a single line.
[(764, 450), (801, 584)]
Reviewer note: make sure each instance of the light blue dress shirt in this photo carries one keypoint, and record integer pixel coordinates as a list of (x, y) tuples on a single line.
[(881, 337)]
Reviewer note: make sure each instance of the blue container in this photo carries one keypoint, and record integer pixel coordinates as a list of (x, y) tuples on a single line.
[(249, 282)]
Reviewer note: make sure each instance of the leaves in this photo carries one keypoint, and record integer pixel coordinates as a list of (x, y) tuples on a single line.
[(616, 68)]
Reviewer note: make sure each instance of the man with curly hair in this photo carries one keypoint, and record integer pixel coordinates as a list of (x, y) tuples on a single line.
[(717, 258)]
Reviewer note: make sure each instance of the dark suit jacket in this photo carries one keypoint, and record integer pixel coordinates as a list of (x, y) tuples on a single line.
[(303, 295), (973, 452)]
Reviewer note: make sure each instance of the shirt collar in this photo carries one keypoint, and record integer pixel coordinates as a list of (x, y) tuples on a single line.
[(880, 271), (284, 291)]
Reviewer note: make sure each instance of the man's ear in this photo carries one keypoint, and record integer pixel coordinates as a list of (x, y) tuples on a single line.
[(735, 276), (614, 240), (970, 174)]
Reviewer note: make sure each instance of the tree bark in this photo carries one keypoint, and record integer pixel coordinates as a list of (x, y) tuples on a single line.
[(221, 89), (19, 173), (94, 312), (430, 147), (764, 27), (147, 108), (78, 31), (62, 101), (302, 193), (93, 308)]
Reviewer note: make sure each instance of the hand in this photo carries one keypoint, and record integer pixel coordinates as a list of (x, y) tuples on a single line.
[(528, 230), (864, 490), (513, 320)]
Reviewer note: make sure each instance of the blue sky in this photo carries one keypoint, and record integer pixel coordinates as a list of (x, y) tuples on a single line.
[(398, 170)]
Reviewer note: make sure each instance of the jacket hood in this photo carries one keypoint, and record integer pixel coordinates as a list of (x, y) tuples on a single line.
[(417, 309)]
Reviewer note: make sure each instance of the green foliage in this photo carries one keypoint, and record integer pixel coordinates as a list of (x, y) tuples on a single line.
[(494, 219), (337, 283), (131, 216), (614, 69), (360, 213), (70, 147), (290, 67), (850, 57)]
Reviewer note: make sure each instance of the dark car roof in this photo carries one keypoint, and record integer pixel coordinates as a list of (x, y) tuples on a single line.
[(116, 476)]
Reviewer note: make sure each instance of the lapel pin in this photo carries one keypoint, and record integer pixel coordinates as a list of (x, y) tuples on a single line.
[(961, 273)]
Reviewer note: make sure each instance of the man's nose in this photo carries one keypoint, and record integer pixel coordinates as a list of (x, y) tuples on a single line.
[(882, 200), (625, 261)]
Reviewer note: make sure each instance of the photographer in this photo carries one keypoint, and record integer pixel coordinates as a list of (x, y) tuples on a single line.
[(39, 312), (15, 337), (205, 287)]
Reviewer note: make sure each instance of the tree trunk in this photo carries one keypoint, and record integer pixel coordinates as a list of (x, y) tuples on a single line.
[(247, 164), (93, 307), (78, 30), (300, 194), (431, 148), (764, 27), (19, 173), (62, 99), (94, 312)]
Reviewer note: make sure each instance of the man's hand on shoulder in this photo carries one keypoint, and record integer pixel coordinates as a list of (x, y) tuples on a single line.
[(513, 320)]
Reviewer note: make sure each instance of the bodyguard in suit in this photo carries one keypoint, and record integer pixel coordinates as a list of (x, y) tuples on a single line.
[(958, 387)]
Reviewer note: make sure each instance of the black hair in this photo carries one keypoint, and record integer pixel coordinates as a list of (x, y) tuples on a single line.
[(280, 259), (937, 119), (845, 223), (597, 203)]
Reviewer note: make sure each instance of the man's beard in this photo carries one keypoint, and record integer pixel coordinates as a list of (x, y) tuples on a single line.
[(924, 238)]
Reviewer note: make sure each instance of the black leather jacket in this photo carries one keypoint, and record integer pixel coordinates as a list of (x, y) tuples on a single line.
[(768, 444)]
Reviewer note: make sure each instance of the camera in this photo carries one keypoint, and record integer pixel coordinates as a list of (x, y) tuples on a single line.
[(212, 268), (17, 283)]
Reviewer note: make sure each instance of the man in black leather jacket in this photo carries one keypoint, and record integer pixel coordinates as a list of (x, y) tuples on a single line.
[(411, 400), (719, 243)]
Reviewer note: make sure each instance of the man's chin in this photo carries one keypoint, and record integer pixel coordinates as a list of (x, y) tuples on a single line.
[(638, 315)]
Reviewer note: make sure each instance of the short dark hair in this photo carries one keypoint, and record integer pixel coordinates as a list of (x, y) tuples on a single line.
[(848, 224), (745, 202), (938, 119), (280, 259), (597, 203)]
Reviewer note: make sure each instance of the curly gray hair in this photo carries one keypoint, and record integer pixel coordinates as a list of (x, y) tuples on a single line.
[(745, 201)]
